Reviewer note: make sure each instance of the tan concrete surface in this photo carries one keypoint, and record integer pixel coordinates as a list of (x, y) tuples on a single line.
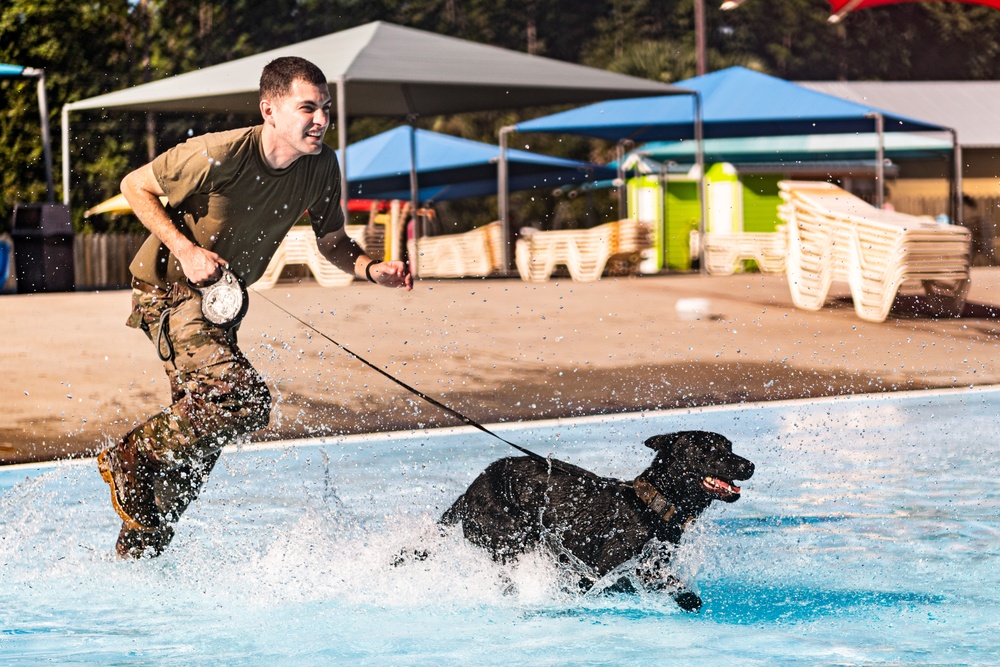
[(73, 376)]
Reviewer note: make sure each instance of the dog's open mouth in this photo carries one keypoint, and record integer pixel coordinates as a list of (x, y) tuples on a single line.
[(720, 487)]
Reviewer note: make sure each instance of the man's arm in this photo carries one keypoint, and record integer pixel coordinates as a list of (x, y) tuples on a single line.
[(345, 254), (143, 193)]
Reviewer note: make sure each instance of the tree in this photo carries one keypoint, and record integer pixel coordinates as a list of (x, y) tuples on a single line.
[(86, 60)]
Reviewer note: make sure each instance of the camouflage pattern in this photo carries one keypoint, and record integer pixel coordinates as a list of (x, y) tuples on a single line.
[(217, 397), (175, 489)]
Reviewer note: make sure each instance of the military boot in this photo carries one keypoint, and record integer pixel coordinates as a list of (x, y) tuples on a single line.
[(130, 474), (143, 543)]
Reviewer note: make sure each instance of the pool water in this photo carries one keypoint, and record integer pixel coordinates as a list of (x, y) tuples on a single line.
[(870, 535)]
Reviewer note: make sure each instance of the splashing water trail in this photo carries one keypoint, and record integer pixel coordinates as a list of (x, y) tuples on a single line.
[(868, 536)]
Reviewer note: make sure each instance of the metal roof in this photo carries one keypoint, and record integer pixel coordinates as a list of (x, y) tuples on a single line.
[(971, 107)]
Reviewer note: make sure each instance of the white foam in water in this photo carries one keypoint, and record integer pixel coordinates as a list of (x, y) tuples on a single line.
[(868, 536)]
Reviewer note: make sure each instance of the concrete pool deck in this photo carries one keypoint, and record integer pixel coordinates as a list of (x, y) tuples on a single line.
[(74, 376)]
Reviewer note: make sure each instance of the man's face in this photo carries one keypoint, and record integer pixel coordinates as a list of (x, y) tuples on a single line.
[(300, 118)]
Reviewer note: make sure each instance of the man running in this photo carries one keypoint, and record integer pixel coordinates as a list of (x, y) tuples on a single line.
[(231, 198)]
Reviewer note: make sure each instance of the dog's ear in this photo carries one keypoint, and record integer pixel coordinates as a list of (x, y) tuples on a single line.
[(665, 442)]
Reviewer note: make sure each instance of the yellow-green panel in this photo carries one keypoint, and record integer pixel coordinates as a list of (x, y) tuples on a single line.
[(683, 213), (760, 202)]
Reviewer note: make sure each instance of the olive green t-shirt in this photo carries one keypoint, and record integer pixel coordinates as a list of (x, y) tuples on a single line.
[(223, 196)]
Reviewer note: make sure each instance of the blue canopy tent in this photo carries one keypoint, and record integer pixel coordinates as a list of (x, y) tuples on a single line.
[(19, 72), (451, 168), (735, 102)]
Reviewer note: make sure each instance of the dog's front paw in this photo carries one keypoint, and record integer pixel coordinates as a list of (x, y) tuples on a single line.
[(687, 601), (408, 555)]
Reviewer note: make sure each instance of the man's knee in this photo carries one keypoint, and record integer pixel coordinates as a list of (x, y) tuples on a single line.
[(235, 404)]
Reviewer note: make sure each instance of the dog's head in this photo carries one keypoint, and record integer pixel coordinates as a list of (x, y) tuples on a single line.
[(697, 463)]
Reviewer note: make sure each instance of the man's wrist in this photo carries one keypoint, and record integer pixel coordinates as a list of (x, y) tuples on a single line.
[(368, 270)]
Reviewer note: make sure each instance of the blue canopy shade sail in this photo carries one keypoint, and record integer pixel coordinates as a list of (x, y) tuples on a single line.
[(451, 168), (10, 70), (736, 102)]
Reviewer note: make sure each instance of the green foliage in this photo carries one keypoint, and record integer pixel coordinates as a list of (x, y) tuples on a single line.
[(81, 46)]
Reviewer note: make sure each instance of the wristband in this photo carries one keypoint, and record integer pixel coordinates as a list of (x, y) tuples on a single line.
[(368, 270)]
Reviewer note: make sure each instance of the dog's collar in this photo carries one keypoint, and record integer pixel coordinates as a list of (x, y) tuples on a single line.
[(655, 500)]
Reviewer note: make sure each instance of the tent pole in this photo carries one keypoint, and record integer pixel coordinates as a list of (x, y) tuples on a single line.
[(880, 160), (342, 144), (65, 152), (701, 65), (503, 200), (414, 197), (956, 181), (622, 197), (43, 113), (699, 131)]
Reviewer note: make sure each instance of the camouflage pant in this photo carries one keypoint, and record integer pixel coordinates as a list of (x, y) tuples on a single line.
[(217, 395)]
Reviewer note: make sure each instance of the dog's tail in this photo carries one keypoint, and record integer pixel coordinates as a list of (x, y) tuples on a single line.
[(453, 514)]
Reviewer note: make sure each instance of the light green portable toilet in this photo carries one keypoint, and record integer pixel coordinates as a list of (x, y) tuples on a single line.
[(671, 209)]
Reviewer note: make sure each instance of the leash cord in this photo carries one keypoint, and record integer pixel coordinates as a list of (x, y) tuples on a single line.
[(436, 403)]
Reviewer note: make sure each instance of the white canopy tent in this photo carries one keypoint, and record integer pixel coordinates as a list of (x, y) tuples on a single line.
[(386, 70)]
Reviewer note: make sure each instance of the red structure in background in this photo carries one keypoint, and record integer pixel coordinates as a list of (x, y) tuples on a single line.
[(841, 8)]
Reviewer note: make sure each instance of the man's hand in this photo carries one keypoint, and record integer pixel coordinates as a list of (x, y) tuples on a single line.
[(393, 273), (200, 265), (143, 193)]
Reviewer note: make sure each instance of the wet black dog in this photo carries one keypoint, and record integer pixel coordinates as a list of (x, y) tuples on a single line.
[(595, 524)]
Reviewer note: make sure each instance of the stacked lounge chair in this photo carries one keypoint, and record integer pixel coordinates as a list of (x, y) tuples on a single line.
[(833, 235), (725, 253), (299, 247), (474, 253), (585, 252)]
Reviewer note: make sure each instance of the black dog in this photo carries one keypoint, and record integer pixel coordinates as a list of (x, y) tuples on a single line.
[(599, 522)]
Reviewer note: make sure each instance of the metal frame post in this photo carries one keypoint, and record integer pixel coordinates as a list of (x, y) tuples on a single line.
[(503, 197)]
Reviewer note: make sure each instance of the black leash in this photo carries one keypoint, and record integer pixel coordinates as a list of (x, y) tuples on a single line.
[(465, 420)]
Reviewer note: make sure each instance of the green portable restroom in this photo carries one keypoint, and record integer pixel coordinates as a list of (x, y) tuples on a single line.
[(752, 199), (672, 218)]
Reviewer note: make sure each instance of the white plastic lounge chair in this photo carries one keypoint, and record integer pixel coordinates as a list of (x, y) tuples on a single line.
[(473, 253), (585, 252), (833, 235), (299, 247), (725, 253)]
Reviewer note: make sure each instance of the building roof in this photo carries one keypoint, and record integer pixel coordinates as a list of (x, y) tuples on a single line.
[(972, 108)]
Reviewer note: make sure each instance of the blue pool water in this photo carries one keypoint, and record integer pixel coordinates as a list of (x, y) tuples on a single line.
[(870, 535)]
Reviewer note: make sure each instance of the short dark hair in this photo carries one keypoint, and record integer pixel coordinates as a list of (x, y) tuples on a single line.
[(278, 75)]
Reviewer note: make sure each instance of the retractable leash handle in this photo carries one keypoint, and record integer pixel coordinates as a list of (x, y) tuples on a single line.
[(224, 301), (433, 401)]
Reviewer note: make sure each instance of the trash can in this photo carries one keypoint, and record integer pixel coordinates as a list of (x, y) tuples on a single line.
[(43, 248), (4, 262)]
